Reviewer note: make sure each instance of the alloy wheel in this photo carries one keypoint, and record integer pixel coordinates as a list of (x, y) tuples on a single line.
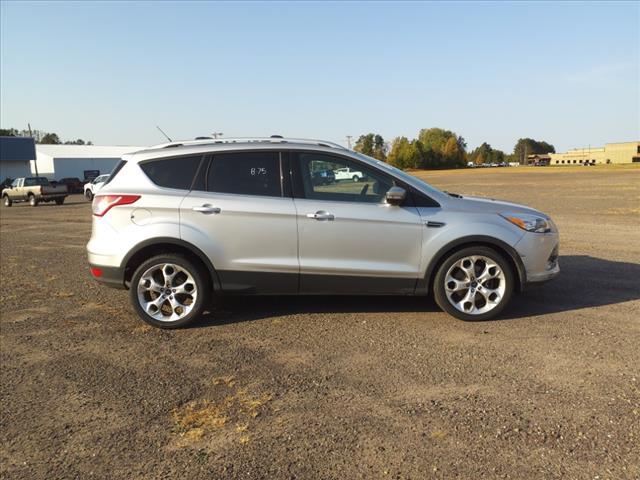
[(475, 284), (167, 292)]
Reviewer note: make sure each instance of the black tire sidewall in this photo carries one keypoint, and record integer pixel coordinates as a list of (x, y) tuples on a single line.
[(7, 201), (33, 201), (439, 292), (202, 286)]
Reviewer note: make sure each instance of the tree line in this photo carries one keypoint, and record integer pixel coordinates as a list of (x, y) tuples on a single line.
[(436, 148), (45, 138)]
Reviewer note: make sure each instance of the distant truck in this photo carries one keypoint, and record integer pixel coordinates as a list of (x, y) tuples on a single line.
[(33, 190), (348, 174), (91, 188)]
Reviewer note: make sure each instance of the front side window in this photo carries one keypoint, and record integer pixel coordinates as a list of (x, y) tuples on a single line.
[(326, 177), (245, 173), (175, 172)]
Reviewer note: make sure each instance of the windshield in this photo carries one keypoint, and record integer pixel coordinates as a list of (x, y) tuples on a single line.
[(403, 175), (33, 181)]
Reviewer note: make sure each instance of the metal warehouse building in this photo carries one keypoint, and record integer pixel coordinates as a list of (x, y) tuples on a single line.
[(61, 161), (625, 152), (16, 154)]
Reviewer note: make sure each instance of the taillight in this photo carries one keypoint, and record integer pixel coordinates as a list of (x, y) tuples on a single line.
[(103, 203)]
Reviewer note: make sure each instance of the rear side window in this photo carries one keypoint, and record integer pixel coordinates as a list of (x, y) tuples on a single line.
[(175, 172), (115, 171), (246, 173)]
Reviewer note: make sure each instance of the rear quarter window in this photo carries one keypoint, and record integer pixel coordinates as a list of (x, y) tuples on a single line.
[(177, 172)]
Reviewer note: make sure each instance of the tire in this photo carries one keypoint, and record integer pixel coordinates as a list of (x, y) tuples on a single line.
[(59, 201), (33, 201), (173, 311), (356, 179), (88, 195), (6, 201), (485, 298)]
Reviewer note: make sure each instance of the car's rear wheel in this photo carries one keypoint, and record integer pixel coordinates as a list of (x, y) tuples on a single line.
[(474, 283), (169, 291), (7, 201), (59, 201), (33, 201), (356, 178)]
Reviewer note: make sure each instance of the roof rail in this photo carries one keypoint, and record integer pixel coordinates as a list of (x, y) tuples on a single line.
[(273, 139)]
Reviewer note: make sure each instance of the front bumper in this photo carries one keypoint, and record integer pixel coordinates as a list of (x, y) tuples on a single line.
[(539, 254)]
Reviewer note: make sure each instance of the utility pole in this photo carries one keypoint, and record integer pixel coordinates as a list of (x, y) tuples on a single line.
[(349, 137), (35, 160), (216, 134)]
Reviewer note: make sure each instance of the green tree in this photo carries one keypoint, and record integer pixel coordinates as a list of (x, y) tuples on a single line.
[(441, 148), (485, 154), (8, 132), (404, 153), (529, 146), (372, 145), (50, 139)]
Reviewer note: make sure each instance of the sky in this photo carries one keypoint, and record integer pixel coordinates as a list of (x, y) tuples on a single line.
[(566, 73)]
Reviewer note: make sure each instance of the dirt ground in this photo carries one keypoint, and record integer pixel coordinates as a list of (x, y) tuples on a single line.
[(331, 388)]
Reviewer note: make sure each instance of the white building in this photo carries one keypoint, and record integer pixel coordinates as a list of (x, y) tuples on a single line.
[(16, 154), (62, 161)]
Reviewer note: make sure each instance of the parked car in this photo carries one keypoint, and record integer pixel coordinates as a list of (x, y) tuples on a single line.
[(181, 226), (94, 186), (74, 185), (33, 190), (323, 177), (347, 173)]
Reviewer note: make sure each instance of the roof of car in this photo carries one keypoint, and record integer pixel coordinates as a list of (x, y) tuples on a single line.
[(241, 143)]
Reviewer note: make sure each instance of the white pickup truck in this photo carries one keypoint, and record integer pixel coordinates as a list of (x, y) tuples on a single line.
[(91, 188), (347, 174), (33, 190)]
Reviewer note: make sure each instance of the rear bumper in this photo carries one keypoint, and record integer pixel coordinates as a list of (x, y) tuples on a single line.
[(109, 276), (52, 196)]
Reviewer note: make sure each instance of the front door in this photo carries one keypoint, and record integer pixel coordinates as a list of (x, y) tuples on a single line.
[(350, 240), (243, 223)]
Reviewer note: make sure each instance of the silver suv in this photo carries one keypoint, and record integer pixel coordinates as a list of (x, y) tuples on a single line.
[(181, 223)]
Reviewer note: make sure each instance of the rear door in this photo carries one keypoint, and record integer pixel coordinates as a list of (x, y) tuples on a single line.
[(240, 219), (350, 239)]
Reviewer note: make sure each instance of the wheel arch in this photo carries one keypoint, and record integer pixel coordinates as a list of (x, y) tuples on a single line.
[(164, 245), (506, 250)]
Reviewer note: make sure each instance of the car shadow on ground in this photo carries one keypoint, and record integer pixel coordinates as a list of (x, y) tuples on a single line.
[(584, 282)]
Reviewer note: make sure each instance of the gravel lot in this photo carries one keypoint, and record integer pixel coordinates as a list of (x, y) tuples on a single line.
[(325, 387)]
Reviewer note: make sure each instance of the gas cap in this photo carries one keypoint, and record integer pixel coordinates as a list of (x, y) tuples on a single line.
[(141, 216)]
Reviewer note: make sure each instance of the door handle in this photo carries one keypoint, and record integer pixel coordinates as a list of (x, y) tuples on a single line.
[(432, 224), (321, 215), (206, 209)]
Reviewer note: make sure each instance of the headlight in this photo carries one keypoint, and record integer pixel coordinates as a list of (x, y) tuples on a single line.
[(530, 223)]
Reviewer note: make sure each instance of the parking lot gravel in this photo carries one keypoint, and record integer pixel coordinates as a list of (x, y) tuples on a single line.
[(331, 387)]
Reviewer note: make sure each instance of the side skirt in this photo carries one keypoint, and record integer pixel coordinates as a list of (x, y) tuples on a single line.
[(270, 283)]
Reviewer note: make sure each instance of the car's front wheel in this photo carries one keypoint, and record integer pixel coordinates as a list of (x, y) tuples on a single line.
[(7, 201), (88, 195), (474, 283), (169, 291)]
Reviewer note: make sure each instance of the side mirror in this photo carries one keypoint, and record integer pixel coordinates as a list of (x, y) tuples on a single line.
[(396, 195)]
